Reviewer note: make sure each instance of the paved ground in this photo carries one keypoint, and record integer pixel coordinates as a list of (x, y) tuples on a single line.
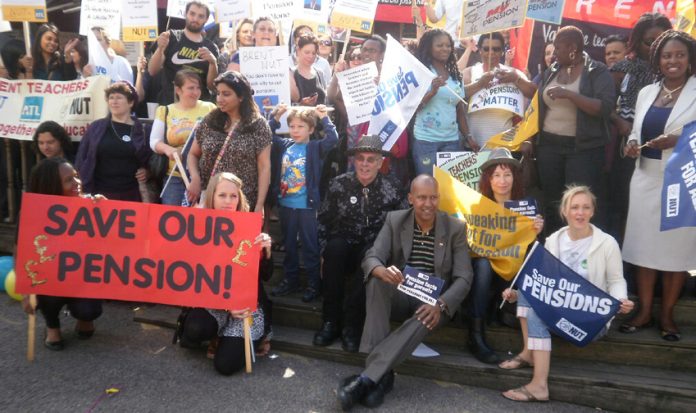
[(152, 375)]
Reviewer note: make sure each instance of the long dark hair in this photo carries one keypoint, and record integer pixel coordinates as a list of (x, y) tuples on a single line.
[(249, 112), (645, 22), (37, 54), (424, 52), (45, 177), (58, 133), (517, 181), (11, 52)]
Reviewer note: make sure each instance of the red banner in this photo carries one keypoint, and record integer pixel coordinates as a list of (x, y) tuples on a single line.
[(397, 11), (620, 13), (74, 247)]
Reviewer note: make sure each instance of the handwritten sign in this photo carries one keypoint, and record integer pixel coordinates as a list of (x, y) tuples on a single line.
[(101, 13), (231, 10)]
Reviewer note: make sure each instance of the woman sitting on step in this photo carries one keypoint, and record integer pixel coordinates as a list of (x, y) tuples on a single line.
[(592, 254)]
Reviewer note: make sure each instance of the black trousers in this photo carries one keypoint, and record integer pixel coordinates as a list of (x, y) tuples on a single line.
[(341, 261), (200, 326), (83, 309)]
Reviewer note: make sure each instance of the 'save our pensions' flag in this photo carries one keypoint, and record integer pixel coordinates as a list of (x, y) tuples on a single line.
[(492, 231), (679, 187), (528, 127), (569, 305), (402, 84)]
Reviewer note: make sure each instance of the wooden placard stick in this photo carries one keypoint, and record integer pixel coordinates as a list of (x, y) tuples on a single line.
[(141, 49), (345, 45), (31, 329), (247, 343), (490, 49), (328, 108), (182, 171)]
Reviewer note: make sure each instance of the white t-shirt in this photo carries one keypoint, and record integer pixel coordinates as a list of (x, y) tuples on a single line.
[(122, 69), (574, 253), (453, 11)]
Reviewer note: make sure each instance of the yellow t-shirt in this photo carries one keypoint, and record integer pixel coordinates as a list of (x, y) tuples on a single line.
[(180, 123)]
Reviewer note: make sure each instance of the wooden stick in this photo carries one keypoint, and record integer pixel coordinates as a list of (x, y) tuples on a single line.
[(27, 38), (328, 108), (182, 171), (31, 329), (247, 343), (490, 49), (512, 284), (169, 20), (141, 48), (455, 94), (345, 43)]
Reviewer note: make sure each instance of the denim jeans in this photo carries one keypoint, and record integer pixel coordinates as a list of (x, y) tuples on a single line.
[(424, 154), (174, 192), (302, 222), (479, 297)]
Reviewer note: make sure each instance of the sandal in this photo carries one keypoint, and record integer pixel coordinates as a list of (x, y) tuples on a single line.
[(628, 328), (521, 363), (528, 397)]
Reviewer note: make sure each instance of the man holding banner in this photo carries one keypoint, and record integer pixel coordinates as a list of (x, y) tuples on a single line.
[(572, 288)]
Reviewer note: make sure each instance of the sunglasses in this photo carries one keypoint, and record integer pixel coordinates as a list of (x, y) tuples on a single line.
[(355, 57), (495, 49), (326, 43)]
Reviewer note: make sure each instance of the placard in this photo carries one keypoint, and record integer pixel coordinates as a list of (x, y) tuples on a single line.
[(231, 10), (283, 12), (487, 16), (463, 166), (101, 13), (422, 286), (525, 207), (359, 90), (24, 11), (139, 20), (550, 11), (356, 15)]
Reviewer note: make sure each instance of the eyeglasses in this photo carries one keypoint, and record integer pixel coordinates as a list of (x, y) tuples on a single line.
[(495, 49), (326, 43), (648, 42)]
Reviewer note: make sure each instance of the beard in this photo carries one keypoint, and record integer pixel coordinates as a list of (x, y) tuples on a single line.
[(193, 28)]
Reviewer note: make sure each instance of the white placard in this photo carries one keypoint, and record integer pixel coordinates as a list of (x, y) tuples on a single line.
[(487, 16), (231, 10), (283, 12), (177, 8), (101, 13), (139, 20), (268, 71), (359, 90)]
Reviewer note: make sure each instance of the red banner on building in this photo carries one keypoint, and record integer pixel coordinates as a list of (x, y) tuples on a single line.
[(397, 11), (620, 13), (74, 247)]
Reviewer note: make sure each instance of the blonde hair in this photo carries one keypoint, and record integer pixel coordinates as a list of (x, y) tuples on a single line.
[(570, 192), (304, 115), (243, 204)]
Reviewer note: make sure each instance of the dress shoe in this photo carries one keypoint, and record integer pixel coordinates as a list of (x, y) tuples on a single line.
[(328, 333), (350, 341), (352, 390), (284, 288), (375, 397), (310, 294)]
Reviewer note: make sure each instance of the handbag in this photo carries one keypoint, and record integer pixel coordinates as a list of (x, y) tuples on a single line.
[(159, 164)]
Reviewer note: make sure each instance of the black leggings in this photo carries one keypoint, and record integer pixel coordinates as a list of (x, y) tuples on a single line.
[(83, 309), (200, 326)]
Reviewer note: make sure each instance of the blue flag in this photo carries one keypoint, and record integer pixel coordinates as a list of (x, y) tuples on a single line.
[(569, 305), (679, 186)]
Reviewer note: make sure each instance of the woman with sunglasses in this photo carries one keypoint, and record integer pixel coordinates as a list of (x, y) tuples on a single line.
[(486, 121)]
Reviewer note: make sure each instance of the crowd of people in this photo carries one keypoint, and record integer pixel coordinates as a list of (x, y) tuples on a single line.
[(346, 200)]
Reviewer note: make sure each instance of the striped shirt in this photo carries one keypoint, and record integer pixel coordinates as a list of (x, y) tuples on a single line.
[(423, 250)]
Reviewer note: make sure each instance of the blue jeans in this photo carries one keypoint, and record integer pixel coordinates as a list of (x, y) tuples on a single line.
[(424, 154), (174, 192), (480, 288), (302, 222)]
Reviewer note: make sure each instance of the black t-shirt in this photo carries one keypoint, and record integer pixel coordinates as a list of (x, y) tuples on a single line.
[(116, 160), (182, 53)]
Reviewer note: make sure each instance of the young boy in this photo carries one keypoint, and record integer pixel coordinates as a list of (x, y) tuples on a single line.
[(296, 183)]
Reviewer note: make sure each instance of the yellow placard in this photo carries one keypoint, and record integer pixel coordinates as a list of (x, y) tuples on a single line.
[(528, 127), (493, 232), (139, 34), (16, 13), (354, 23)]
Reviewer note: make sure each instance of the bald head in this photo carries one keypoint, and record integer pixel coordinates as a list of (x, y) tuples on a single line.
[(425, 199), (423, 180)]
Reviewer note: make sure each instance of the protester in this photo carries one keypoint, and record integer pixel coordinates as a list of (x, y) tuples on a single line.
[(662, 109), (350, 217), (244, 37), (185, 49), (576, 100), (307, 85), (408, 237), (46, 61), (172, 127), (56, 176), (297, 191), (592, 254), (501, 181), (266, 32), (114, 152), (549, 58), (120, 68), (479, 78), (16, 61), (199, 324), (615, 49), (232, 138), (80, 58), (320, 64), (450, 9), (326, 49), (630, 76), (441, 117), (52, 141)]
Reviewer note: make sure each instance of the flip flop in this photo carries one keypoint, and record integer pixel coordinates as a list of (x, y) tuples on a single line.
[(521, 363), (529, 397)]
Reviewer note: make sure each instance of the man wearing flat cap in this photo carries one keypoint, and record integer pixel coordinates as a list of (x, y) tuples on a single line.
[(350, 217)]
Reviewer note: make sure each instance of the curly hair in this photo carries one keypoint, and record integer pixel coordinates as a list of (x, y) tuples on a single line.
[(57, 131), (424, 52), (517, 181), (645, 22), (249, 112), (661, 41)]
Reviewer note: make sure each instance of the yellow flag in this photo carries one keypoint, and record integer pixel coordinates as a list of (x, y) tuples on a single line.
[(528, 127), (493, 232), (686, 16)]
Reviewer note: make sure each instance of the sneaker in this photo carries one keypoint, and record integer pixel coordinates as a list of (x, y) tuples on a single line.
[(310, 294), (284, 288)]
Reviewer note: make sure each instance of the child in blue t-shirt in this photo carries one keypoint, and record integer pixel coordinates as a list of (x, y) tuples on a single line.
[(296, 183)]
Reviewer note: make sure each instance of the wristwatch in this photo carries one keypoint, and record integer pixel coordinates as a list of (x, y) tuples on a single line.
[(442, 305)]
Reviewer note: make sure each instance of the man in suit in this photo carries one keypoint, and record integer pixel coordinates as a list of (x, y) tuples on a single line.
[(430, 241)]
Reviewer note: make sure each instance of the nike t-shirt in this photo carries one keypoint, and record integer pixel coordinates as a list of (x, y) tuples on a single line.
[(182, 53)]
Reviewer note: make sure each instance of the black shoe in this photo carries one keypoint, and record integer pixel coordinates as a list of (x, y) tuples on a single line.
[(328, 333), (350, 341), (310, 294), (284, 288), (375, 397), (352, 390), (477, 343), (54, 345)]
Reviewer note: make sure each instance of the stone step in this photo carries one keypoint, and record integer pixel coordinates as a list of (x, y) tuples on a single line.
[(604, 386)]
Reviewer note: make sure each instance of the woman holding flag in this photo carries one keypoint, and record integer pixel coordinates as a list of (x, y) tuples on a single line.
[(592, 254)]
